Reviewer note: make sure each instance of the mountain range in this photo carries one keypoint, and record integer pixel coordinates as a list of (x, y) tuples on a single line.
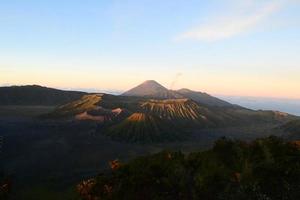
[(152, 89), (150, 112)]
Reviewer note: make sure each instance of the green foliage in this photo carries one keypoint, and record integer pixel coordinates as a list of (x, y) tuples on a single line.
[(264, 169)]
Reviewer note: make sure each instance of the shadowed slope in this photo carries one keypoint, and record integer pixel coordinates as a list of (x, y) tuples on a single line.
[(292, 128), (36, 95), (203, 98)]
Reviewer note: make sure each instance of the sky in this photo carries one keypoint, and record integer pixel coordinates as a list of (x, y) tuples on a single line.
[(225, 47)]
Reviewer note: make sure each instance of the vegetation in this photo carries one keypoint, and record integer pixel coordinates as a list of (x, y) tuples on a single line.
[(263, 169)]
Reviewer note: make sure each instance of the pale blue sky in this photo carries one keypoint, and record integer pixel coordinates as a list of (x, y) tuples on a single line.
[(230, 47)]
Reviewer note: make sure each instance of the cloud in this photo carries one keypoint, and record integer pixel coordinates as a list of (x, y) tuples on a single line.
[(226, 27)]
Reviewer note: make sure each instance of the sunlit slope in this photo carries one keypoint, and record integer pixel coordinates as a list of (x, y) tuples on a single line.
[(184, 112), (100, 108)]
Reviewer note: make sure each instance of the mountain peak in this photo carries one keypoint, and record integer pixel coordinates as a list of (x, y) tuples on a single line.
[(152, 84), (151, 88)]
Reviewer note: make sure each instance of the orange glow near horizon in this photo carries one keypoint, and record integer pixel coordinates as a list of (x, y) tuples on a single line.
[(223, 84)]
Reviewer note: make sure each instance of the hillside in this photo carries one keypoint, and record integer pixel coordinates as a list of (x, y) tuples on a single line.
[(36, 95), (292, 129), (95, 104), (292, 126)]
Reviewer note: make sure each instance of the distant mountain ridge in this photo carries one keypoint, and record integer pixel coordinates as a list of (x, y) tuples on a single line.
[(152, 89), (39, 95), (36, 95)]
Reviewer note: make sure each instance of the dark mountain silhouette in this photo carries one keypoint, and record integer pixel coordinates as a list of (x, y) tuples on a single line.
[(36, 95)]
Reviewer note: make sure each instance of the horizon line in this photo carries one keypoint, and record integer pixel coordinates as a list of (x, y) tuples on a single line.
[(119, 92)]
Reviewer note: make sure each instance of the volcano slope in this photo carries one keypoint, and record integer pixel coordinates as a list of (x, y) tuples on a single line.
[(152, 89), (142, 119)]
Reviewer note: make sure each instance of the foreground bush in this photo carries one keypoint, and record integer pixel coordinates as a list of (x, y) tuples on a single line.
[(5, 187), (264, 169)]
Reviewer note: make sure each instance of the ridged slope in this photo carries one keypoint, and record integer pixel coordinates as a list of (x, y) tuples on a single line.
[(90, 107), (173, 109), (159, 120), (86, 103), (141, 127)]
